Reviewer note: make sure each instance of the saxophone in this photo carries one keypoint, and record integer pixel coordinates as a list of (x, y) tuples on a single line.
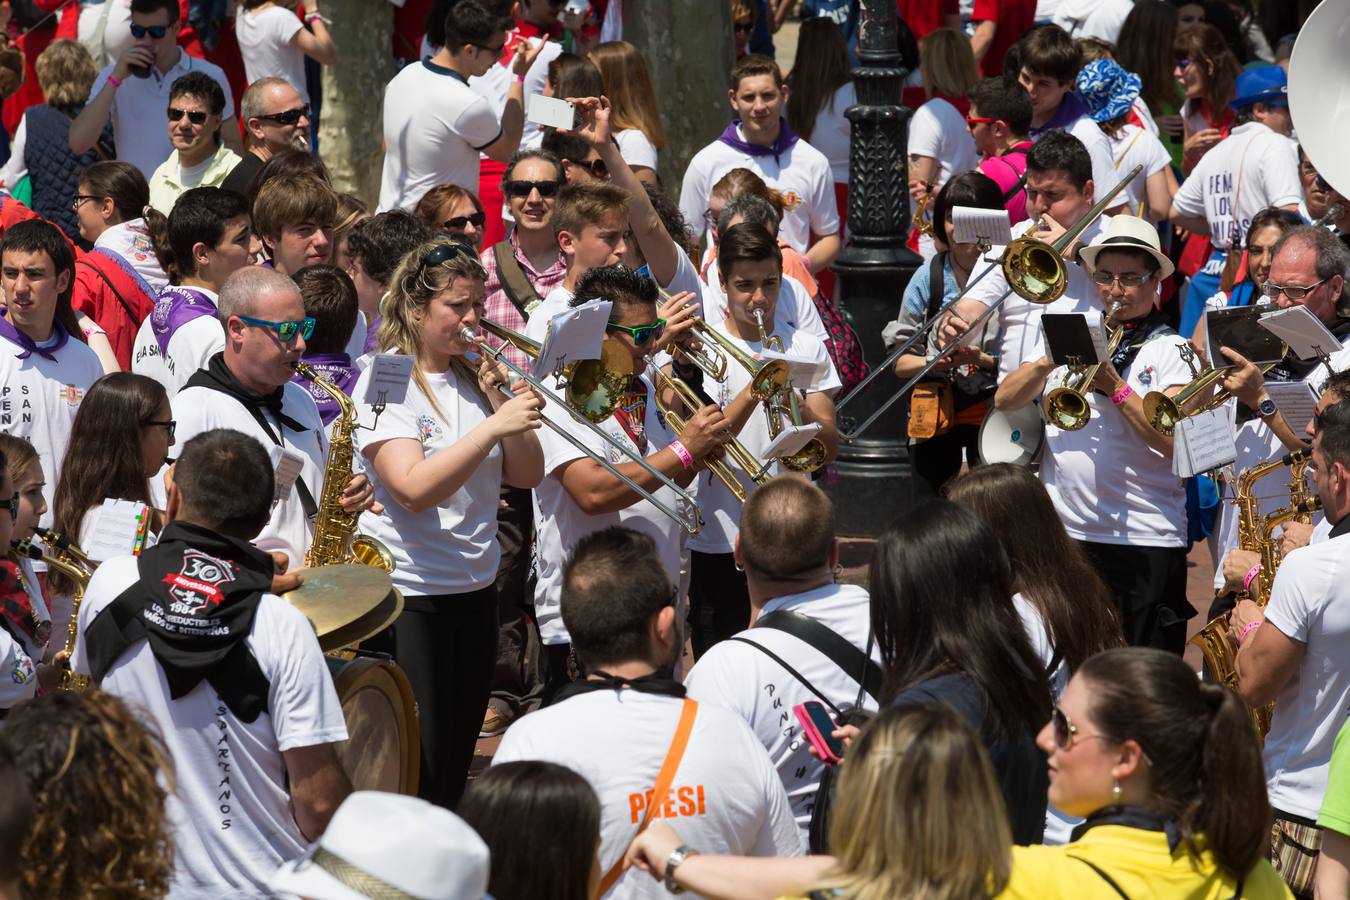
[(70, 561), (335, 540), (1255, 534)]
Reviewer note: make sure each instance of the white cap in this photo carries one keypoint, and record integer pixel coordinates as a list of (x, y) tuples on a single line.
[(389, 845)]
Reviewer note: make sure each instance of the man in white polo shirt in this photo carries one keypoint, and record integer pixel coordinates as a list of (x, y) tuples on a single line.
[(800, 619), (44, 370), (629, 720), (134, 91), (760, 139), (435, 125)]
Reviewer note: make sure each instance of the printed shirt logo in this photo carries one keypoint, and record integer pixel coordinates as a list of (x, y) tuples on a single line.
[(196, 586), (71, 394), (1145, 376), (23, 670), (791, 199), (428, 429)]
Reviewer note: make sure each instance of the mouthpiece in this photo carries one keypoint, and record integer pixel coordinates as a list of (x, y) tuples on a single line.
[(1297, 456)]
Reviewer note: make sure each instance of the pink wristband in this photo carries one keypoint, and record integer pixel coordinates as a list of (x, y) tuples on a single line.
[(114, 80), (520, 79), (1250, 577), (1122, 395), (1248, 629), (686, 458), (311, 19)]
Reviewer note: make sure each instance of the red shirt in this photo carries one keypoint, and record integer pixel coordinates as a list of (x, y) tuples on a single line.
[(109, 294), (1013, 18), (923, 16)]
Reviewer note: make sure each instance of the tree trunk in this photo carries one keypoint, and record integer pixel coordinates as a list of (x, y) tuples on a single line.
[(350, 132)]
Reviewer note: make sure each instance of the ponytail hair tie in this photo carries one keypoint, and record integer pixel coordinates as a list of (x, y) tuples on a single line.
[(146, 211)]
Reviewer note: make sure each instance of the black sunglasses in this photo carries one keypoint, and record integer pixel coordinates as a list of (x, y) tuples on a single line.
[(287, 117), (195, 116), (495, 51), (12, 504), (596, 167), (458, 222), (441, 254), (546, 189), (155, 31)]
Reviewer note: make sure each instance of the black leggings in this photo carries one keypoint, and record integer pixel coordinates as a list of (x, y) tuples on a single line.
[(1149, 587), (719, 601), (447, 646), (937, 460)]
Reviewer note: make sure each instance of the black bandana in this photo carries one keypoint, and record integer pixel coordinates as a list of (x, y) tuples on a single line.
[(1138, 333), (195, 601), (1132, 817), (656, 683)]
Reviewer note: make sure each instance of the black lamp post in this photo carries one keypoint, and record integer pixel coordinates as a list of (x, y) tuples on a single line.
[(875, 480)]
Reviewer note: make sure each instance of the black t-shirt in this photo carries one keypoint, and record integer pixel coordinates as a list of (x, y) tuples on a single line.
[(1019, 765), (242, 174)]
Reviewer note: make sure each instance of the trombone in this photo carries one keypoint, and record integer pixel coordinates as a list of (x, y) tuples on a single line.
[(767, 377), (1066, 407), (1034, 270), (810, 457), (604, 397)]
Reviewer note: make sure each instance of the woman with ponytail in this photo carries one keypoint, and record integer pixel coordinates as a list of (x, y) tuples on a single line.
[(1167, 773)]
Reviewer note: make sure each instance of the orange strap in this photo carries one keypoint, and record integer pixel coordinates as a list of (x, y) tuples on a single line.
[(663, 782)]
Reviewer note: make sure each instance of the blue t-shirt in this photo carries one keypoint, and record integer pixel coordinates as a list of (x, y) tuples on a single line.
[(843, 13)]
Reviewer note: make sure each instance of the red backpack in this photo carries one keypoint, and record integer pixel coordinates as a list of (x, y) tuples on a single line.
[(843, 346)]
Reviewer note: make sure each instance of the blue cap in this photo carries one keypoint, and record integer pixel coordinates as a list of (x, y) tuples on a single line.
[(1263, 84)]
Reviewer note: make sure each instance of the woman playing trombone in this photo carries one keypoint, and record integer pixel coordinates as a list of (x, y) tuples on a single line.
[(1111, 477), (437, 462)]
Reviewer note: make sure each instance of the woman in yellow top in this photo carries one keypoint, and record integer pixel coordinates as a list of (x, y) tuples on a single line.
[(1167, 773)]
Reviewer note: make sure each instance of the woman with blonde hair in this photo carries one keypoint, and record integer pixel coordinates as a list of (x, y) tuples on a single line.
[(634, 114), (940, 144), (437, 462), (41, 147)]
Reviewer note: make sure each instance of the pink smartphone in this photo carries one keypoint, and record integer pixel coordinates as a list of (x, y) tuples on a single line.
[(818, 728)]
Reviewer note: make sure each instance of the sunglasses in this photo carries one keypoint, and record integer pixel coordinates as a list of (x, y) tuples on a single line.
[(596, 167), (195, 116), (744, 27), (1183, 62), (1065, 732), (1126, 279), (287, 117), (495, 51), (155, 31), (168, 425), (546, 189), (972, 121), (642, 334), (441, 254), (1292, 291), (286, 331), (458, 222), (80, 198), (12, 504)]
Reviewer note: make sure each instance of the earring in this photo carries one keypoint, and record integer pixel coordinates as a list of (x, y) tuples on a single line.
[(739, 567), (1115, 790)]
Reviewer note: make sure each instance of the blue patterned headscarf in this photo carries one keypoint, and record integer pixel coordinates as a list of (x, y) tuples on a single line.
[(1108, 90)]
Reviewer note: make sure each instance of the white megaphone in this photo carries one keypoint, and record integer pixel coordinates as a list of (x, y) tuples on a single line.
[(1319, 92)]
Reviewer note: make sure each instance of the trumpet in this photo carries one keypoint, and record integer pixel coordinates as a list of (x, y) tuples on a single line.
[(810, 457), (1164, 412), (607, 395), (1035, 271), (923, 213), (766, 377), (1066, 407)]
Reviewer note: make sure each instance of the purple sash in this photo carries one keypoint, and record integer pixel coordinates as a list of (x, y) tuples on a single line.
[(174, 308), (340, 370)]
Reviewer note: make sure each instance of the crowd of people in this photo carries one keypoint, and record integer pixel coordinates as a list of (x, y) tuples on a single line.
[(583, 407)]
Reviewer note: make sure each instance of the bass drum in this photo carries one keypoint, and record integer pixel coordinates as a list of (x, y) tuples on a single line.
[(383, 750), (1012, 437)]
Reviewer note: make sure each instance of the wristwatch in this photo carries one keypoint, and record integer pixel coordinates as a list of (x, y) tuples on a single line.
[(673, 861), (1267, 408)]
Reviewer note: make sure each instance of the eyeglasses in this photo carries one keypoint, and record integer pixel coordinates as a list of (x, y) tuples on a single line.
[(80, 198), (710, 218), (642, 334), (744, 27), (12, 504), (546, 189), (972, 121), (596, 167), (195, 116), (441, 254), (286, 331), (168, 425), (288, 116), (1126, 279), (155, 31), (495, 51), (458, 222), (1292, 291)]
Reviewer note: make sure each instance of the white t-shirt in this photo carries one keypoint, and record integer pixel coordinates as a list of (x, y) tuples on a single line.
[(725, 798), (231, 814), (721, 511), (1251, 169), (559, 522), (265, 41), (452, 547), (1092, 18), (795, 307), (18, 674), (759, 691), (1104, 175), (39, 398), (938, 130), (434, 127), (138, 110), (190, 348), (1310, 603), (1134, 146), (1019, 320), (802, 175), (1059, 826), (1108, 485), (636, 148), (290, 530), (832, 133), (495, 84)]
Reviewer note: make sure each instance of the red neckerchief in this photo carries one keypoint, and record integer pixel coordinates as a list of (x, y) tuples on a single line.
[(632, 414), (17, 606)]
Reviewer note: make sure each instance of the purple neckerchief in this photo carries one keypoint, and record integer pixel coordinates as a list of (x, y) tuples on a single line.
[(339, 368), (15, 336), (373, 335), (782, 144), (176, 306), (1071, 109)]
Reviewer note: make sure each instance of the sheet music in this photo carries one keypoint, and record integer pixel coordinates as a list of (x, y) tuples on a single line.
[(1203, 442), (1296, 400)]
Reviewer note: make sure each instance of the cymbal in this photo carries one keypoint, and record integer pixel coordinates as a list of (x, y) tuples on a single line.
[(346, 603)]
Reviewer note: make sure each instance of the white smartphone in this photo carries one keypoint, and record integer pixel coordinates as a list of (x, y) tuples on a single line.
[(545, 111)]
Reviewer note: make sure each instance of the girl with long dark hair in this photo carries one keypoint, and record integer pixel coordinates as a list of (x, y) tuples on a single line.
[(1207, 71), (821, 89), (1139, 50)]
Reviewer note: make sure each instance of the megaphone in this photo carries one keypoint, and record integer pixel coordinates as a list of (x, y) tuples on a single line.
[(1319, 92)]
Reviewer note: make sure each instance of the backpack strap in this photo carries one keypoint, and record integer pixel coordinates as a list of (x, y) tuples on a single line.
[(935, 292), (517, 285), (1107, 878), (131, 313), (836, 648), (838, 713)]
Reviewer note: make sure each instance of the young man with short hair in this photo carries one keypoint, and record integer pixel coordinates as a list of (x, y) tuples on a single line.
[(293, 216), (760, 139), (198, 158), (375, 247), (330, 300), (999, 118), (580, 161), (134, 91), (45, 370), (435, 125), (277, 118), (210, 238)]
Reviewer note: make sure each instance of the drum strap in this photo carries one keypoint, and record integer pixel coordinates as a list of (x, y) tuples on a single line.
[(663, 781), (358, 879)]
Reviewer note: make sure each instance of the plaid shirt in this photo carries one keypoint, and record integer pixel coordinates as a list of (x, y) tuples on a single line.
[(498, 306)]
